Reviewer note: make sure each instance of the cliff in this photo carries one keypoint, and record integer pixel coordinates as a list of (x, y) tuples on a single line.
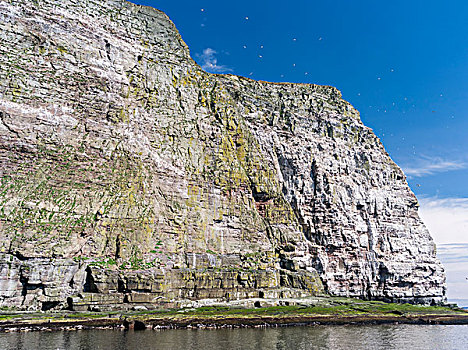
[(129, 176)]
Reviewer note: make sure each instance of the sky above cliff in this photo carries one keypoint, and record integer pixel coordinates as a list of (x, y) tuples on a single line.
[(402, 64)]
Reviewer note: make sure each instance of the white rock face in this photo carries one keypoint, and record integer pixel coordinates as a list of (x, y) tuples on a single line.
[(118, 153), (357, 213)]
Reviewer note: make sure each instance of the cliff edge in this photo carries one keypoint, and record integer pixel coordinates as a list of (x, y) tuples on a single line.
[(130, 177)]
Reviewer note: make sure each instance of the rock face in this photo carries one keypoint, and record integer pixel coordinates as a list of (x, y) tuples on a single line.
[(132, 178)]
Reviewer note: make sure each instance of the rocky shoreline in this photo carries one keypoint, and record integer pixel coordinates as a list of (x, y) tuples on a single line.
[(211, 323), (327, 311)]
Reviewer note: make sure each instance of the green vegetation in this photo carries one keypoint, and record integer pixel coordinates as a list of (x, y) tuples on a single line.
[(323, 309), (334, 307)]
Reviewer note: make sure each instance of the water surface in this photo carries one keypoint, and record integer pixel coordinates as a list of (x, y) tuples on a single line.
[(291, 338)]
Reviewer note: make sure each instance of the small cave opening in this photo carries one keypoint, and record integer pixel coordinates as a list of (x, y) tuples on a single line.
[(261, 197), (49, 305), (70, 304), (90, 286)]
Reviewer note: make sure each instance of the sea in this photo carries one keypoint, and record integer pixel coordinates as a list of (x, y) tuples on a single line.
[(462, 303), (369, 337)]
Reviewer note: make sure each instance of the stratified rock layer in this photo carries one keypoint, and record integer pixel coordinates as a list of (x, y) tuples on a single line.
[(129, 176)]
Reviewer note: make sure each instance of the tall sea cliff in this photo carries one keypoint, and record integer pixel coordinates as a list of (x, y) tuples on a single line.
[(131, 177)]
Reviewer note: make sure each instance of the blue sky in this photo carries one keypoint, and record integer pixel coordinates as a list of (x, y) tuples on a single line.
[(402, 64)]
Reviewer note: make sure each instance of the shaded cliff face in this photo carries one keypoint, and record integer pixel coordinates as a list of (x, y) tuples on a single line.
[(129, 175)]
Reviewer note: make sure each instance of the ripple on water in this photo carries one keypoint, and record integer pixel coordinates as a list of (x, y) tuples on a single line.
[(290, 338)]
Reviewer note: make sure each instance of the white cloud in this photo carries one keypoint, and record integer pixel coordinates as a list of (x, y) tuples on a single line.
[(431, 165), (454, 257), (209, 62), (446, 219), (454, 253)]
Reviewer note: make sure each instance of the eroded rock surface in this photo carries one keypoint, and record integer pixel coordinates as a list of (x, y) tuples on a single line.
[(132, 178)]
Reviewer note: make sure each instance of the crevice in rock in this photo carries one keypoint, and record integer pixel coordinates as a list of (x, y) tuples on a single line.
[(20, 256), (117, 247), (24, 283), (2, 116), (108, 50), (26, 286), (121, 286)]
